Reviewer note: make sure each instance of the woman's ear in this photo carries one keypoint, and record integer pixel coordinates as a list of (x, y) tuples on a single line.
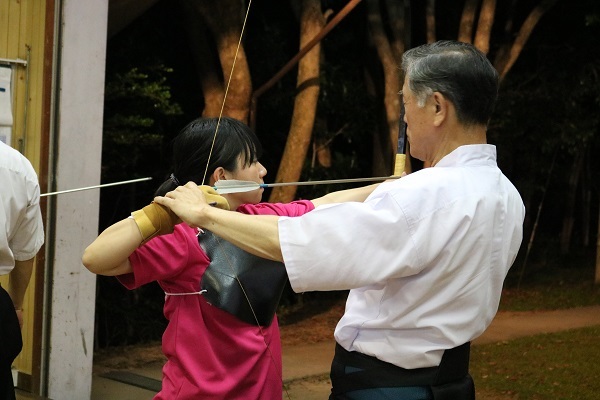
[(218, 174)]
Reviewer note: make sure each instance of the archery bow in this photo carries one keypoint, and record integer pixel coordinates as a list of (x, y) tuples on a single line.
[(236, 186), (400, 162)]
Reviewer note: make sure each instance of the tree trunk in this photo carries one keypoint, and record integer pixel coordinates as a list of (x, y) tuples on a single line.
[(380, 144), (225, 20), (586, 196), (571, 191), (392, 83), (597, 280), (507, 34), (484, 26), (505, 63), (205, 60), (430, 21), (467, 21), (398, 27), (305, 106)]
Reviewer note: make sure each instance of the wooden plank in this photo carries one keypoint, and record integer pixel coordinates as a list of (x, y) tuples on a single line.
[(4, 11)]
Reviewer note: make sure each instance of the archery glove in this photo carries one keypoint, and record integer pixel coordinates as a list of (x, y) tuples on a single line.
[(154, 220)]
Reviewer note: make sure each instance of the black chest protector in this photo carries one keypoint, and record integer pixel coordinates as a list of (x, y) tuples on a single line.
[(247, 286)]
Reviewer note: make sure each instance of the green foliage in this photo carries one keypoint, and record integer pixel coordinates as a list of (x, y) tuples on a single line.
[(346, 135), (140, 116), (547, 116), (138, 107)]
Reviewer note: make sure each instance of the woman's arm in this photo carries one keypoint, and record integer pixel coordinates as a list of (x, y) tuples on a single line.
[(109, 253)]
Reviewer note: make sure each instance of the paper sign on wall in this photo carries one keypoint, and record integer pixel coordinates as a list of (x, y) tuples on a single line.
[(6, 117)]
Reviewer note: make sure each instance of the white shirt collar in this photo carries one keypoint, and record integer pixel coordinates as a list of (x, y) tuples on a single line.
[(484, 154)]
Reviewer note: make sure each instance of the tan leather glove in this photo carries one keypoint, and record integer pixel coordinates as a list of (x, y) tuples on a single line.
[(154, 220), (213, 198)]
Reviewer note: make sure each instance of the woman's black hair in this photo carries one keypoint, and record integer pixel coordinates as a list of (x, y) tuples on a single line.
[(192, 150)]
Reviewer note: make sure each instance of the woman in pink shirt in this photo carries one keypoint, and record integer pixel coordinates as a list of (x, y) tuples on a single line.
[(214, 348)]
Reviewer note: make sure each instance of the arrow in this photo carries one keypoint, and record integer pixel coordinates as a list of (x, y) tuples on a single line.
[(95, 187), (235, 186)]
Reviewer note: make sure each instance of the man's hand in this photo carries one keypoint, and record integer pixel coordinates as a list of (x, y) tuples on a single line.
[(257, 234), (189, 201)]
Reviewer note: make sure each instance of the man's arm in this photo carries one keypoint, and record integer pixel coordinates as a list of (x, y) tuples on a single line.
[(257, 234), (19, 280)]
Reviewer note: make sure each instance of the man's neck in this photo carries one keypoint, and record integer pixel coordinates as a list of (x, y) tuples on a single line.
[(459, 136)]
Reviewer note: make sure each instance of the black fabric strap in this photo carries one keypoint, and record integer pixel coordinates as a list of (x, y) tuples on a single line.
[(373, 373)]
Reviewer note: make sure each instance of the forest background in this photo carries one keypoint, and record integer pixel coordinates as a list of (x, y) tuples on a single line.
[(335, 112)]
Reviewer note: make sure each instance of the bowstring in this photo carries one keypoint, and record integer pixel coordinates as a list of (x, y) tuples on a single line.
[(229, 262), (226, 90)]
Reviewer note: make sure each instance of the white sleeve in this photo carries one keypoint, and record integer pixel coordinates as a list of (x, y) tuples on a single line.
[(29, 234), (347, 245)]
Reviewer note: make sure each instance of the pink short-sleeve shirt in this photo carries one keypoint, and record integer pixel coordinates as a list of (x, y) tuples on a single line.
[(210, 353)]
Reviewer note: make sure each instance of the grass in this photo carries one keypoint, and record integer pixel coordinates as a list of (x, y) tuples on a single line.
[(558, 366), (551, 288), (550, 297)]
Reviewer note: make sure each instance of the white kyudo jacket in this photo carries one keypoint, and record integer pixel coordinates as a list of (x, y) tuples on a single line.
[(425, 257)]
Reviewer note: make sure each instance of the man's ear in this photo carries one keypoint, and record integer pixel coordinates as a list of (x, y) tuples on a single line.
[(441, 108)]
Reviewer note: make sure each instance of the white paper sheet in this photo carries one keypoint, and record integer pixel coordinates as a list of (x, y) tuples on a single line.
[(6, 117)]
